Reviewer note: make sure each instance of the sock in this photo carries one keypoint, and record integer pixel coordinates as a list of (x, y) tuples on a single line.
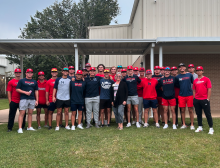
[(211, 128)]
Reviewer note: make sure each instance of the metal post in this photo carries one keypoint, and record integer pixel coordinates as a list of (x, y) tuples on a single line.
[(83, 61), (152, 59), (76, 59), (160, 56), (21, 67)]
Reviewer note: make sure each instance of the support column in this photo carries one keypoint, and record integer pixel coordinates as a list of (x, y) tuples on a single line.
[(21, 67), (83, 61), (152, 59), (76, 58), (160, 56)]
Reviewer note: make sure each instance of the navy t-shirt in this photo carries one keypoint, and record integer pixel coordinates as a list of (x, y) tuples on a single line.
[(184, 81), (158, 89), (92, 86), (131, 82), (167, 83), (77, 92), (106, 88), (27, 85)]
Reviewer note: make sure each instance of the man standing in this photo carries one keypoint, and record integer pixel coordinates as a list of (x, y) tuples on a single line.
[(88, 66), (42, 98), (191, 70), (71, 72), (202, 93), (28, 89), (61, 95), (162, 70), (124, 73), (14, 99), (131, 81), (119, 68), (100, 68), (184, 81), (49, 96), (85, 73)]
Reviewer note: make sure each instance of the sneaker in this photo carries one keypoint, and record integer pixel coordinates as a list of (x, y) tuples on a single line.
[(177, 125), (99, 122), (49, 128), (96, 125), (73, 127), (199, 129), (133, 122), (62, 126), (20, 131), (211, 131), (128, 125), (88, 125), (174, 126), (157, 125), (146, 125), (105, 122), (142, 122), (138, 125), (165, 126), (67, 127), (31, 129), (9, 130), (102, 125), (57, 128), (80, 126), (46, 126), (183, 127), (39, 127), (125, 120), (192, 128), (108, 125), (120, 129)]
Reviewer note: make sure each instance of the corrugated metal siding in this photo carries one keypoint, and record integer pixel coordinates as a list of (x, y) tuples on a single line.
[(137, 23)]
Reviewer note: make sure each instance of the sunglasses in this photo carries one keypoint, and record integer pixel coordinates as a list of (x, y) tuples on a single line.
[(119, 66), (65, 69), (17, 72), (106, 70)]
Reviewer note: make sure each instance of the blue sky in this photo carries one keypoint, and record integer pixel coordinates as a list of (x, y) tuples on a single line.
[(14, 14)]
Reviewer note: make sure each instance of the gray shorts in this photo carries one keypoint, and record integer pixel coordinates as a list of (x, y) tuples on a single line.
[(26, 104), (133, 100)]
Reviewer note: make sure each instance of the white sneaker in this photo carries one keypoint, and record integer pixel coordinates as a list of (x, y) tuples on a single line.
[(145, 125), (45, 126), (133, 122), (30, 129), (192, 128), (174, 126), (183, 127), (80, 126), (105, 122), (57, 128), (165, 126), (199, 129), (211, 131), (73, 127), (157, 125), (128, 125), (125, 120), (20, 131), (67, 127), (138, 125), (39, 127)]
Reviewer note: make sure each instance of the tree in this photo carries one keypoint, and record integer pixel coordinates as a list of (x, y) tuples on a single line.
[(65, 20)]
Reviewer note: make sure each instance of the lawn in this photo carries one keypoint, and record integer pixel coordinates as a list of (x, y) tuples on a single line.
[(109, 147), (4, 104)]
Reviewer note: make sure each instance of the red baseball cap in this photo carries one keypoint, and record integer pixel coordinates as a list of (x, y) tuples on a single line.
[(124, 70), (17, 70), (71, 67), (190, 65), (129, 67), (54, 70), (136, 69), (162, 68), (199, 68), (92, 69), (141, 69), (79, 72), (148, 71), (173, 68), (88, 64), (157, 67), (29, 70), (41, 73)]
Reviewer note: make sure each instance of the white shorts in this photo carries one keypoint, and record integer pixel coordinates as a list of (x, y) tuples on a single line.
[(27, 104)]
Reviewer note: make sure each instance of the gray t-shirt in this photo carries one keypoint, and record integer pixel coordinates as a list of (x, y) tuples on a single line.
[(63, 88), (194, 77)]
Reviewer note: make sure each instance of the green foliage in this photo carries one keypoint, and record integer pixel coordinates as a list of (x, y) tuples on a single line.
[(4, 104)]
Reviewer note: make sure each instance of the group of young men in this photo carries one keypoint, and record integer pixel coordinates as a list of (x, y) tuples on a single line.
[(86, 92)]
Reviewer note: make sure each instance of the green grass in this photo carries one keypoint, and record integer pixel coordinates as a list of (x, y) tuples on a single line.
[(4, 104), (109, 147)]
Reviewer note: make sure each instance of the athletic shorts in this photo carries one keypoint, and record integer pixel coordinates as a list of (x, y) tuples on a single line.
[(105, 103), (159, 100), (169, 102), (27, 104), (150, 103), (75, 107), (185, 100), (41, 106), (62, 103), (52, 106), (133, 100)]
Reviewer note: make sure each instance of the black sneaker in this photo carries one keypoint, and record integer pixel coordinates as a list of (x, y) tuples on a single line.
[(62, 126), (49, 128), (108, 125), (102, 125), (9, 130)]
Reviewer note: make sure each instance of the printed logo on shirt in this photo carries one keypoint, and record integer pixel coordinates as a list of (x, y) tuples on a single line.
[(29, 83), (199, 82), (62, 82), (130, 79), (94, 79), (168, 81), (185, 78), (78, 84), (41, 88), (149, 83), (106, 85)]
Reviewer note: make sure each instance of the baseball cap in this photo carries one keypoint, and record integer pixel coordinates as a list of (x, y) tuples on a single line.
[(17, 70), (199, 68), (88, 65), (54, 70), (129, 67), (167, 68), (174, 68), (190, 65), (79, 72), (119, 66), (124, 70), (148, 71), (106, 71), (29, 70), (71, 67), (41, 73), (141, 69), (162, 68), (156, 67), (92, 69), (65, 69), (135, 69), (181, 64), (84, 69)]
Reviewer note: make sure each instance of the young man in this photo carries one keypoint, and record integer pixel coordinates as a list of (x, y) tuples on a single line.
[(88, 66), (149, 85), (71, 72), (191, 70), (131, 81), (124, 73), (162, 70), (61, 95), (14, 99), (49, 96), (77, 93), (85, 73), (157, 75), (100, 68), (28, 89), (42, 98), (168, 97), (105, 96), (136, 71), (184, 81), (202, 93), (119, 68)]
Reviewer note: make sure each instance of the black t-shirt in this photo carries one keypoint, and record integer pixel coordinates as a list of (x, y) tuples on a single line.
[(131, 82), (92, 86), (167, 83), (77, 91)]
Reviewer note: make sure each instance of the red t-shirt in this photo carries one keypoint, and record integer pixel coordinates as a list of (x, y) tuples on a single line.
[(15, 96), (140, 89), (149, 88), (49, 88), (113, 77), (42, 92), (101, 75), (177, 91), (201, 87)]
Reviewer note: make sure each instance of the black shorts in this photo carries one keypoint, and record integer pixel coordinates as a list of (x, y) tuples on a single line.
[(41, 106), (52, 106), (62, 103), (75, 107), (105, 103)]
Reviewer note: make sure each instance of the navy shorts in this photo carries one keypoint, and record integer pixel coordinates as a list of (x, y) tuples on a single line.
[(75, 107), (150, 103), (52, 106)]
